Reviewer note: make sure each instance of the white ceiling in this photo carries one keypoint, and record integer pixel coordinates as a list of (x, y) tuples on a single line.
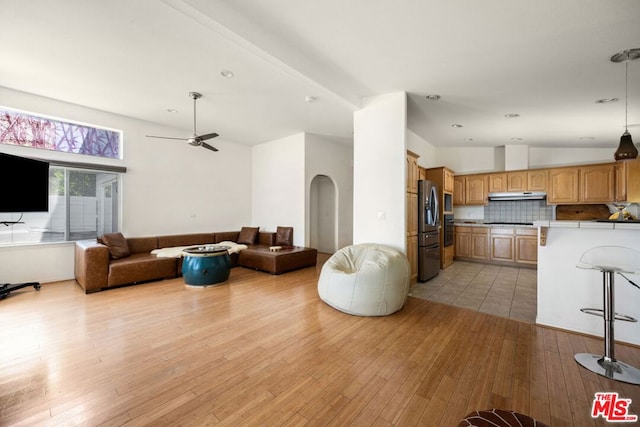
[(546, 60)]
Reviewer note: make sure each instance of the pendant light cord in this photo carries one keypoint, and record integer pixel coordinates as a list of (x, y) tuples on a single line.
[(626, 91)]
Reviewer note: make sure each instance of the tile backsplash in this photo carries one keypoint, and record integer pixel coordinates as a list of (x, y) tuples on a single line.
[(518, 211)]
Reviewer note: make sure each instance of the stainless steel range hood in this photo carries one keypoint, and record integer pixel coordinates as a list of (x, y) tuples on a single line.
[(518, 195)]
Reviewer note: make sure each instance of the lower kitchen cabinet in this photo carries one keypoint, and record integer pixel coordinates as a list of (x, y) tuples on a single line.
[(471, 242), (527, 246), (502, 244), (515, 246)]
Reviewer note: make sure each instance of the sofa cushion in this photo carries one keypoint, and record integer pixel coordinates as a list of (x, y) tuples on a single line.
[(248, 235), (170, 241), (284, 236), (117, 244), (141, 267)]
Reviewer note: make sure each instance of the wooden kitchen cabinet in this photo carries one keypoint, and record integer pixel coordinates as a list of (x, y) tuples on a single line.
[(470, 189), (517, 181), (480, 243), (502, 241), (537, 180), (517, 246), (597, 183), (412, 255), (563, 186), (442, 177), (412, 214), (497, 182), (628, 180), (526, 245), (476, 189), (422, 173), (412, 172), (411, 200), (462, 239), (449, 185), (458, 191), (471, 243)]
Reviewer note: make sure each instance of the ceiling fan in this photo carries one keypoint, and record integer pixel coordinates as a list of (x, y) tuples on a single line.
[(195, 140)]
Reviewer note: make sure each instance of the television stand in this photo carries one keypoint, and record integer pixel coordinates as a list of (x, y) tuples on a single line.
[(8, 287)]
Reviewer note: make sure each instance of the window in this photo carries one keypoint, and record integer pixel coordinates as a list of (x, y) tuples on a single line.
[(83, 204)]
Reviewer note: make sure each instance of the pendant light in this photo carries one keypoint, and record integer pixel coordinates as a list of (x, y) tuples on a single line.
[(626, 150)]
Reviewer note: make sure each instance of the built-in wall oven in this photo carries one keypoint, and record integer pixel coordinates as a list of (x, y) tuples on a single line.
[(447, 230)]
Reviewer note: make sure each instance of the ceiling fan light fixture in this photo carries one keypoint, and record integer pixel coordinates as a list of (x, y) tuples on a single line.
[(626, 149)]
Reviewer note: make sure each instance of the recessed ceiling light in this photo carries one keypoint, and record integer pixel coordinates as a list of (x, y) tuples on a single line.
[(226, 73), (606, 100), (432, 97), (309, 99), (469, 139), (516, 139), (585, 138), (511, 115), (455, 125), (171, 110)]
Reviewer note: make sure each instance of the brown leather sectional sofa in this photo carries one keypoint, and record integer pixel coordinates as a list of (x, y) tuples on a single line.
[(96, 268)]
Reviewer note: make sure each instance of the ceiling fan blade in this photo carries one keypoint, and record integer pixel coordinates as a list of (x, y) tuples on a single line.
[(207, 136), (164, 137), (209, 147)]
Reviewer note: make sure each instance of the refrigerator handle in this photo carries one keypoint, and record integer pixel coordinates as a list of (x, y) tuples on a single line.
[(435, 207)]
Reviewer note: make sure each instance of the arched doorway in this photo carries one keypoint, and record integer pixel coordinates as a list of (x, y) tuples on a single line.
[(323, 223)]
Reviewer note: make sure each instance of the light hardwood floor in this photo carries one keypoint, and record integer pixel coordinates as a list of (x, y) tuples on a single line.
[(263, 350)]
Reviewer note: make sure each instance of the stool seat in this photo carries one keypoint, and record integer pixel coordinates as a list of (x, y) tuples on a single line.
[(610, 260)]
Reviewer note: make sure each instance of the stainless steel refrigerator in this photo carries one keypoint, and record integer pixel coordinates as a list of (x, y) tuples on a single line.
[(428, 231)]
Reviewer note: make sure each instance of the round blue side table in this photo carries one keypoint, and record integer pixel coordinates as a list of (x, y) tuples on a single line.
[(206, 265)]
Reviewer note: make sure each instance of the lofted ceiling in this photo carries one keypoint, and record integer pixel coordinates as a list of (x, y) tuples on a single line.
[(546, 60)]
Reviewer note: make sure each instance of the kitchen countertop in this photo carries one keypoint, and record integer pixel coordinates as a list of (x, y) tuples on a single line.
[(480, 223), (621, 225)]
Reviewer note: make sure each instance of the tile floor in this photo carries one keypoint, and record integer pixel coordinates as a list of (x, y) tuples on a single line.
[(502, 291)]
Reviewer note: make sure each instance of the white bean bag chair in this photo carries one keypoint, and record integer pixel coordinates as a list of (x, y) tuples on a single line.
[(365, 280)]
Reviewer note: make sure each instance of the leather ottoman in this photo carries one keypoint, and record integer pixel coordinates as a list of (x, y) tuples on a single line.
[(276, 262)]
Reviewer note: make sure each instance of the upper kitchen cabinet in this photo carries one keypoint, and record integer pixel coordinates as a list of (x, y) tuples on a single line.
[(563, 186), (476, 189), (458, 190), (422, 173), (583, 184), (517, 181), (628, 181), (412, 172), (470, 189), (497, 182), (536, 180), (449, 185), (597, 184)]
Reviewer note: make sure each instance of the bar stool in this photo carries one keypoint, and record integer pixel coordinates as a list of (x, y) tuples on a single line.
[(610, 260)]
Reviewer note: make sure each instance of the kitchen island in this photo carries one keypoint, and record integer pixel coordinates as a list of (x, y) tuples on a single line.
[(563, 289)]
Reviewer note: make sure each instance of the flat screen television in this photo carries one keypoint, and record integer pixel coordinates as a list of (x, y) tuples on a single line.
[(24, 184)]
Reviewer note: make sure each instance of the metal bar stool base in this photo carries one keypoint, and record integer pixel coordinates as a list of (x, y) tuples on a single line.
[(617, 370)]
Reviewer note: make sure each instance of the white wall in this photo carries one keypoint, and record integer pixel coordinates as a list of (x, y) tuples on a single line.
[(464, 160), (170, 187), (379, 175), (334, 160), (278, 185), (423, 148), (541, 157)]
